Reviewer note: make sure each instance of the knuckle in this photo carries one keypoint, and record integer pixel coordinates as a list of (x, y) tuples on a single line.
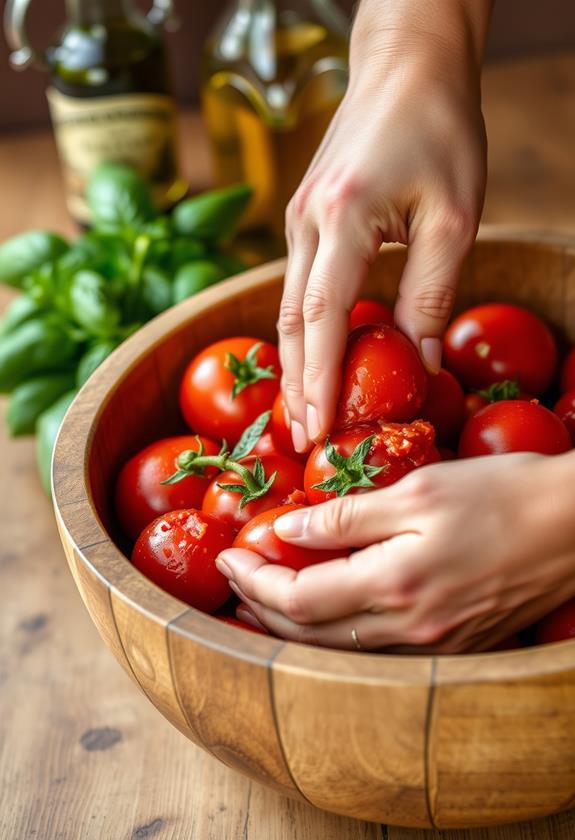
[(341, 193), (456, 224), (295, 607), (290, 320), (421, 489), (293, 390), (435, 302), (312, 371), (427, 631), (316, 305), (340, 515)]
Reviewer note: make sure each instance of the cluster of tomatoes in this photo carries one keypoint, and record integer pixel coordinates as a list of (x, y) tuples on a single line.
[(185, 499)]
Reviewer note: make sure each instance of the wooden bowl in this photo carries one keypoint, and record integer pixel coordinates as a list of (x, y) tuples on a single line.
[(413, 741)]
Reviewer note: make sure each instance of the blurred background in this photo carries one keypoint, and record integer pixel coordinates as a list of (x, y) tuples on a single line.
[(520, 28)]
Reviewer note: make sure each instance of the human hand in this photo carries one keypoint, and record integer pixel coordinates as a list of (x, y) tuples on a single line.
[(457, 557), (404, 160)]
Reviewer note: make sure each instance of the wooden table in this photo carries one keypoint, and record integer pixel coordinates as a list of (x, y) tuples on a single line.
[(83, 754)]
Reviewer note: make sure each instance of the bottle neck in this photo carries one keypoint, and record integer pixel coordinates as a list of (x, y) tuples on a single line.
[(91, 12)]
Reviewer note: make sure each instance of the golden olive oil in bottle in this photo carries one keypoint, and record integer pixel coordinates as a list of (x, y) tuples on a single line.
[(109, 94), (273, 76)]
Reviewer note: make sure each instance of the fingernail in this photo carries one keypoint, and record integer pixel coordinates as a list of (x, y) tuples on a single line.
[(431, 353), (292, 525), (312, 420), (299, 436)]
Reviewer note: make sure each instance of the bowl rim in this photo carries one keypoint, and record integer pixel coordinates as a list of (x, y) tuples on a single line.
[(77, 516)]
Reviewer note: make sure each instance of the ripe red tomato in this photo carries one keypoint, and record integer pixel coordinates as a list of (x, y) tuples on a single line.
[(266, 445), (259, 536), (236, 622), (383, 378), (567, 375), (281, 431), (557, 626), (565, 410), (225, 504), (506, 390), (513, 426), (397, 448), (140, 494), (444, 407), (368, 311), (498, 341), (178, 552), (208, 383)]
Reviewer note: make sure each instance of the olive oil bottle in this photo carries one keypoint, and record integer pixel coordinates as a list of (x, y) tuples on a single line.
[(109, 94), (274, 72)]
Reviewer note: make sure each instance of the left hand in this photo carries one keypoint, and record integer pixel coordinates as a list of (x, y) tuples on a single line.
[(454, 557)]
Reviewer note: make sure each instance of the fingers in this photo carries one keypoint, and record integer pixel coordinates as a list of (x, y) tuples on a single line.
[(335, 279), (353, 520), (291, 329), (315, 594), (428, 285)]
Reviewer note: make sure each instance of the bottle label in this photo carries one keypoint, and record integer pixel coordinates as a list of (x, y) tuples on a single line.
[(137, 129)]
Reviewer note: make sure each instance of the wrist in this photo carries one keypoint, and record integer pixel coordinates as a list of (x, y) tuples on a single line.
[(393, 44)]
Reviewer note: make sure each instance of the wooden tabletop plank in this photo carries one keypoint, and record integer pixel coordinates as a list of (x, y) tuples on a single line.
[(83, 754)]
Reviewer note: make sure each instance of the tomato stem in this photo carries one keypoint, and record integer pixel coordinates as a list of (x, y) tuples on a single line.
[(247, 371), (350, 471)]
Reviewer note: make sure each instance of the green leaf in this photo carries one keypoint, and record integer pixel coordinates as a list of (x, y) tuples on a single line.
[(118, 198), (47, 429), (508, 389), (38, 345), (19, 310), (350, 471), (194, 277), (247, 372), (185, 249), (32, 397), (93, 358), (250, 437), (22, 254), (156, 292), (229, 264), (91, 305), (213, 215), (176, 477)]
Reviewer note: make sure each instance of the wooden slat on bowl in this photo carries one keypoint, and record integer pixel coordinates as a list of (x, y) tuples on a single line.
[(444, 741)]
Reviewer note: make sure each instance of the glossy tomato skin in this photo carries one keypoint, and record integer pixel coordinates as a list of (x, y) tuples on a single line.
[(367, 311), (383, 378), (140, 494), (400, 448), (444, 406), (225, 504), (259, 536), (281, 431), (206, 389), (513, 426), (266, 445), (557, 626), (567, 375), (178, 552), (565, 410), (497, 341)]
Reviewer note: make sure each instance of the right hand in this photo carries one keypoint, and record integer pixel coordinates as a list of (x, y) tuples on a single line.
[(404, 160)]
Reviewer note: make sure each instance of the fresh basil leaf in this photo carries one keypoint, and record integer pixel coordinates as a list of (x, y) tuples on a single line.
[(23, 254), (118, 198), (213, 215), (194, 277), (91, 305)]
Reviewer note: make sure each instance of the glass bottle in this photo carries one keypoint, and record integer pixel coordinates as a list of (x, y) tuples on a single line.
[(109, 95), (274, 72)]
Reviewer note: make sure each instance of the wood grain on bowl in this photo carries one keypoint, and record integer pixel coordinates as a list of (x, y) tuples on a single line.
[(413, 741)]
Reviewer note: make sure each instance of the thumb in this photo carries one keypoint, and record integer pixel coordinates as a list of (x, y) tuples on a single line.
[(428, 285), (351, 521)]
